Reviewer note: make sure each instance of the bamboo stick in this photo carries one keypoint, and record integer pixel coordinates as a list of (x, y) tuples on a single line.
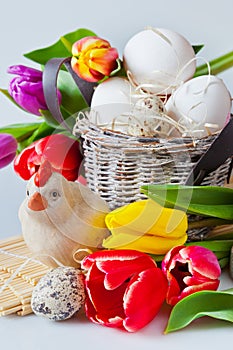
[(18, 276)]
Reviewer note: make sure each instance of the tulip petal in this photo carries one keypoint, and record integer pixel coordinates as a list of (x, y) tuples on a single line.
[(61, 151), (202, 261), (207, 285), (8, 144), (169, 261), (93, 58), (103, 60), (133, 298), (6, 160), (106, 255), (173, 295), (147, 243), (119, 271), (8, 148), (25, 71), (88, 43), (84, 72), (190, 269), (21, 163), (143, 298), (173, 289), (146, 216), (91, 314), (28, 95), (106, 304)]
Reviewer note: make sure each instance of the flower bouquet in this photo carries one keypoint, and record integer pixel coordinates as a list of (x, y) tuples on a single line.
[(117, 181)]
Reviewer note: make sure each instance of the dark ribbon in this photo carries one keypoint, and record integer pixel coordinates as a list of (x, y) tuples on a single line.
[(219, 151), (50, 76)]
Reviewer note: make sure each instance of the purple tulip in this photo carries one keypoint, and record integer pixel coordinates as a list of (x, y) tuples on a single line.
[(27, 89), (8, 147)]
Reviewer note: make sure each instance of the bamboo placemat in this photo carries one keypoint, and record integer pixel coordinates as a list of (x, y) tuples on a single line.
[(19, 273)]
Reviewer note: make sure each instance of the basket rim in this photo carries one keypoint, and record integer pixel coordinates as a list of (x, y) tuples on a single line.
[(88, 127)]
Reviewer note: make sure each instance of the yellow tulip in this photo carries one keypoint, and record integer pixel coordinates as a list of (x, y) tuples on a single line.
[(147, 227)]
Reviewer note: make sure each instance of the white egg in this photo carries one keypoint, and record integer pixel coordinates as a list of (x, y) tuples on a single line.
[(159, 57), (201, 104), (110, 100), (112, 90)]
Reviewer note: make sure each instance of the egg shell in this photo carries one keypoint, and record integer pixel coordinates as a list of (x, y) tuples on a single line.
[(59, 294), (111, 99), (112, 90), (203, 99), (157, 56)]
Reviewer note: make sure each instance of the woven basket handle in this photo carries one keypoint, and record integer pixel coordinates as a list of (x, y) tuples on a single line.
[(50, 77), (219, 151)]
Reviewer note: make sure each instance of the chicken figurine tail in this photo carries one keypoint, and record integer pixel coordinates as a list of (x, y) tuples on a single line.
[(61, 220)]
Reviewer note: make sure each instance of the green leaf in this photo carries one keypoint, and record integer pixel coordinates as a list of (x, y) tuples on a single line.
[(214, 201), (72, 100), (6, 93), (20, 131), (197, 48), (224, 262), (224, 211), (215, 304), (215, 246), (43, 131), (49, 119), (60, 48), (217, 65), (58, 128)]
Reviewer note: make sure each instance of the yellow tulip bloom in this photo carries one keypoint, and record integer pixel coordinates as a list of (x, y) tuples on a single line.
[(147, 227)]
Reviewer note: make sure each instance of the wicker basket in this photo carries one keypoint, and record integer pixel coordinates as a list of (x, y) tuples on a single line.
[(117, 165)]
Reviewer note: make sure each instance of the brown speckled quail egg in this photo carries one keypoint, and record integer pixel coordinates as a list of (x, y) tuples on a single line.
[(59, 294)]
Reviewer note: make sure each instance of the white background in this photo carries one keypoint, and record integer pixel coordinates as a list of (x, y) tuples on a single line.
[(27, 25)]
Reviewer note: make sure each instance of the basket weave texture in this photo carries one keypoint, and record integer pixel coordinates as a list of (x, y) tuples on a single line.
[(117, 165)]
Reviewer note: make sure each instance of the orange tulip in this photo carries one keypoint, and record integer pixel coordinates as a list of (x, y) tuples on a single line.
[(93, 58)]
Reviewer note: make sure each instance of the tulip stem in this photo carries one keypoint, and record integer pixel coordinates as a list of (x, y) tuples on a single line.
[(209, 222), (217, 65)]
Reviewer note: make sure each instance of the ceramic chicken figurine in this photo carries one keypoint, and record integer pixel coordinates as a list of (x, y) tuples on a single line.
[(60, 217)]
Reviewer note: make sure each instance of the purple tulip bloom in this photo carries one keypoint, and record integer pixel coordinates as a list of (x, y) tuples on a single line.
[(8, 147), (27, 89)]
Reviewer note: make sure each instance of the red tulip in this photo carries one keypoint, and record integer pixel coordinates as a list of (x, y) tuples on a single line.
[(93, 58), (125, 289), (61, 151), (188, 270)]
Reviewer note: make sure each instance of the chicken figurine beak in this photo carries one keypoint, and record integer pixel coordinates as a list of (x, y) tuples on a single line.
[(37, 202)]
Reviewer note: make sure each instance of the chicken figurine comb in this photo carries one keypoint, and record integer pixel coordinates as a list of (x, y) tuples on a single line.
[(60, 218)]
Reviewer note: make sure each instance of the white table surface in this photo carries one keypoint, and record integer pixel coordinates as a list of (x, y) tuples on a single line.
[(36, 333)]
